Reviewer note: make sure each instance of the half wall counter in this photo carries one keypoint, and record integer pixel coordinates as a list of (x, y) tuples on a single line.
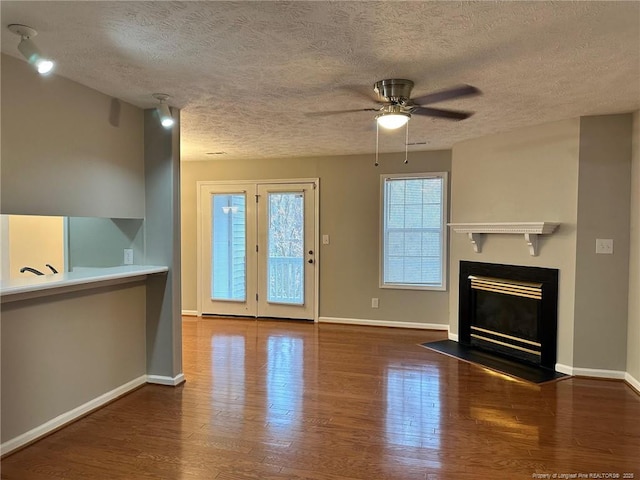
[(81, 278)]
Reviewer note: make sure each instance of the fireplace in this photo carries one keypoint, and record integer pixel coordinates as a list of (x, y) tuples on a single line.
[(510, 311)]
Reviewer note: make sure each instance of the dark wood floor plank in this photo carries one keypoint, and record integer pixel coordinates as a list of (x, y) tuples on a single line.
[(275, 400)]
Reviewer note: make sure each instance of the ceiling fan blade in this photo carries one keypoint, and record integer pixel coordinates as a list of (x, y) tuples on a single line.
[(337, 112), (362, 91), (448, 94), (436, 112)]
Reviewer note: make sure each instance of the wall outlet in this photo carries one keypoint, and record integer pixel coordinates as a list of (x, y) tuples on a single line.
[(128, 256), (604, 245), (374, 303)]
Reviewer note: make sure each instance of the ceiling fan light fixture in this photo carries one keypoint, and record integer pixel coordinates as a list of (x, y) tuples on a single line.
[(393, 120)]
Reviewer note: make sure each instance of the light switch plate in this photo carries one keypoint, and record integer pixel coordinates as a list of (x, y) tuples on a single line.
[(604, 246), (128, 256), (325, 239)]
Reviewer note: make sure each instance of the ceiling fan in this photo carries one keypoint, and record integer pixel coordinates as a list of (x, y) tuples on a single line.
[(396, 105)]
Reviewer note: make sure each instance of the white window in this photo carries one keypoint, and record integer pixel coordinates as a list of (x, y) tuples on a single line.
[(414, 240)]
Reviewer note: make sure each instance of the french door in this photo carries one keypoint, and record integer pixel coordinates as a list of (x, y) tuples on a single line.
[(258, 249)]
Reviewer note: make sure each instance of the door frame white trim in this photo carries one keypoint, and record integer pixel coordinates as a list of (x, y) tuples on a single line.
[(316, 237)]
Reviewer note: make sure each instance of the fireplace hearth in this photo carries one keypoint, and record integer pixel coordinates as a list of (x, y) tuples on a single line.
[(509, 311)]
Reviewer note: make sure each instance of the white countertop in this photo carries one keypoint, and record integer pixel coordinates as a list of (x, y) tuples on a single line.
[(80, 276)]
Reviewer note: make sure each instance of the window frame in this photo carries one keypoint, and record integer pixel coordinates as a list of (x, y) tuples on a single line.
[(444, 209)]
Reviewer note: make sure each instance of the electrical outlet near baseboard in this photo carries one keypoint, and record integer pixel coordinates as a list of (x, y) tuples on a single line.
[(374, 303)]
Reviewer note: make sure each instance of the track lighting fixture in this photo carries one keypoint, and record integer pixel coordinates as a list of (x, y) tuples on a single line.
[(29, 49), (163, 110)]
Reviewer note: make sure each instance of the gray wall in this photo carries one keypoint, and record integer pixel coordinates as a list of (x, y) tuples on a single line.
[(61, 351), (62, 156), (575, 172), (633, 329), (162, 245), (349, 265), (526, 175), (64, 152), (349, 213), (100, 242), (601, 300)]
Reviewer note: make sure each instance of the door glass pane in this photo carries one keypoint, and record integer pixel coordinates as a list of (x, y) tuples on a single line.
[(285, 261), (228, 247)]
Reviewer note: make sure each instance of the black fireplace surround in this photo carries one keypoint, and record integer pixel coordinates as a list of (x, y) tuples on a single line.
[(521, 326)]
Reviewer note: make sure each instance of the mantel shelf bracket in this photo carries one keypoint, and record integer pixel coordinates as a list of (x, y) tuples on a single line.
[(532, 242), (530, 230), (476, 241)]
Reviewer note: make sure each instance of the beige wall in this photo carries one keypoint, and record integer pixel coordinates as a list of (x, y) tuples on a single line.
[(34, 241), (64, 149), (349, 265), (349, 214), (5, 257), (633, 329), (601, 298), (526, 175), (61, 351)]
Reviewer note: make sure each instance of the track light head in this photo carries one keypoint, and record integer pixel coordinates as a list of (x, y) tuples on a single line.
[(166, 119), (29, 50)]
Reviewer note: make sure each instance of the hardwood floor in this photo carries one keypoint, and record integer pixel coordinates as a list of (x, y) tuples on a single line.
[(284, 400)]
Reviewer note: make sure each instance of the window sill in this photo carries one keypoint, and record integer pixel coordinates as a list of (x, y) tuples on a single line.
[(428, 288)]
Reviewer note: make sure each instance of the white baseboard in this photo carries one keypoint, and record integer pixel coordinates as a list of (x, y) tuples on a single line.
[(163, 380), (78, 412), (189, 313), (70, 416), (453, 336), (633, 382), (591, 372), (566, 369), (384, 323), (599, 373)]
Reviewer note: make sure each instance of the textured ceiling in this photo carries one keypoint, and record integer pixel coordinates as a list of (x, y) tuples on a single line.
[(245, 73)]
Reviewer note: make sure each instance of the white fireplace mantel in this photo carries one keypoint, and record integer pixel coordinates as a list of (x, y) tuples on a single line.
[(530, 230)]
